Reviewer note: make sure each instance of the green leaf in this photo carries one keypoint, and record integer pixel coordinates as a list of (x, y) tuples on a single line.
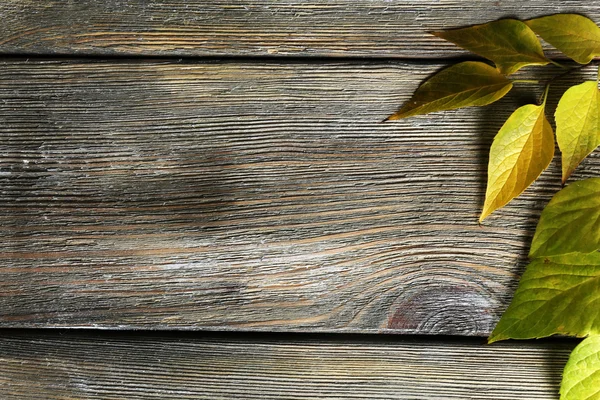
[(557, 295), (465, 84), (509, 43), (576, 36), (578, 124), (570, 223), (521, 150), (581, 378)]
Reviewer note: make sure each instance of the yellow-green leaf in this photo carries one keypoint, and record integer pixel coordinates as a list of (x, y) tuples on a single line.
[(576, 36), (465, 84), (581, 378), (577, 124), (570, 223), (521, 150), (509, 43), (556, 295)]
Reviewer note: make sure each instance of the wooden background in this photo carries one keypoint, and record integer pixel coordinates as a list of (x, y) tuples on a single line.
[(221, 166)]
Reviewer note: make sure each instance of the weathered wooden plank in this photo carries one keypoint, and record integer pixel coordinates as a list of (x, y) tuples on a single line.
[(250, 196), (348, 28), (103, 366)]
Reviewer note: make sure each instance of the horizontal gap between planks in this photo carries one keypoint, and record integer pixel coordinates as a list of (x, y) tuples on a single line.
[(325, 337), (317, 59)]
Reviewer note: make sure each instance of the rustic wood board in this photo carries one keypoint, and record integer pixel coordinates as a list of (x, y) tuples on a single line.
[(103, 366), (347, 28), (165, 195)]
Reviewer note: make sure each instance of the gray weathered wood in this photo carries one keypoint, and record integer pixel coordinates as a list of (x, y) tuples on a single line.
[(251, 196), (116, 367), (352, 28)]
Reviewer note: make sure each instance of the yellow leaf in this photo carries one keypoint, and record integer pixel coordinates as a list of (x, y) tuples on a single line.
[(581, 378), (509, 43), (465, 84), (577, 124), (521, 150), (576, 36)]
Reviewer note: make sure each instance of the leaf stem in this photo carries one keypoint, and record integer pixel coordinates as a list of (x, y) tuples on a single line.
[(558, 64), (545, 95), (556, 77), (547, 82), (525, 81), (567, 72)]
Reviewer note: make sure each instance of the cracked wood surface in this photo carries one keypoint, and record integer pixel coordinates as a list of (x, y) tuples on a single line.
[(117, 366), (248, 195), (255, 196), (332, 28)]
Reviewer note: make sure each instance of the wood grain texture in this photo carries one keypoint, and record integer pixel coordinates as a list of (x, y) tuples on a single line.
[(112, 367), (347, 28), (251, 196)]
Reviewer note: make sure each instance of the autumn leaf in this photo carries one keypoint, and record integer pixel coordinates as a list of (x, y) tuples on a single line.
[(570, 222), (465, 84), (509, 43), (578, 124), (576, 36), (581, 378), (556, 295), (521, 150)]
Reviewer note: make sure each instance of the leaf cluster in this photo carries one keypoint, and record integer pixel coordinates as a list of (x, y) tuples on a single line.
[(560, 290)]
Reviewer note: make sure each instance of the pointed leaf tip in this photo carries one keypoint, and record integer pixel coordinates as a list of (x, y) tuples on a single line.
[(465, 84), (550, 299), (509, 43), (569, 223), (521, 151), (577, 125), (578, 37)]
